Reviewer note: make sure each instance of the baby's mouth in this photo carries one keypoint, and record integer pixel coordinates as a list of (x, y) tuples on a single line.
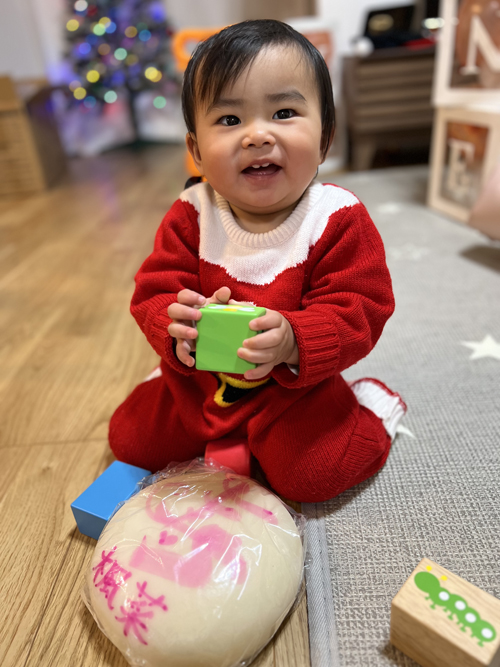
[(262, 170)]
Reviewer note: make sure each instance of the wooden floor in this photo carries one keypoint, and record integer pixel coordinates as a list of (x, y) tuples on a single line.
[(70, 352)]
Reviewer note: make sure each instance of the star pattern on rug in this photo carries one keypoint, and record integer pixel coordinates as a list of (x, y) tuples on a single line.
[(390, 207), (488, 347)]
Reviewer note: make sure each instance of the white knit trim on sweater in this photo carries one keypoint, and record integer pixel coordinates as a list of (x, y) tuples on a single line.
[(258, 258)]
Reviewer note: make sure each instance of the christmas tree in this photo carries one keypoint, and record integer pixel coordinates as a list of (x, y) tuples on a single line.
[(116, 46)]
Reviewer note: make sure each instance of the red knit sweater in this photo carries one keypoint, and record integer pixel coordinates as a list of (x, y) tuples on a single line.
[(323, 268)]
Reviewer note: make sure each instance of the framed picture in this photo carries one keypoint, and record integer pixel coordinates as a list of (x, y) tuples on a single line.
[(468, 54), (465, 150)]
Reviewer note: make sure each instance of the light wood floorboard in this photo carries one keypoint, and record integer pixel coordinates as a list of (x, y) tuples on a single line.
[(70, 352)]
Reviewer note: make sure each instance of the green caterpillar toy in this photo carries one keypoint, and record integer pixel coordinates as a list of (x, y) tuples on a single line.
[(455, 606)]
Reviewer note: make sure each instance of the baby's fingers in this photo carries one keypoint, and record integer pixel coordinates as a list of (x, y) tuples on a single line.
[(257, 356), (220, 296), (267, 339), (271, 320), (259, 372), (183, 349), (190, 298), (178, 311), (232, 302), (182, 330)]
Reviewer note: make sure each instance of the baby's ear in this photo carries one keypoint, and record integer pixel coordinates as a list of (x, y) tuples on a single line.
[(193, 149)]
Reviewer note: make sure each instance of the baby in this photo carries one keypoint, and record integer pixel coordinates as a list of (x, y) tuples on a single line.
[(258, 105)]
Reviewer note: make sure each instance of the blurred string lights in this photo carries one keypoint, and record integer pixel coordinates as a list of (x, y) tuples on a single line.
[(119, 46)]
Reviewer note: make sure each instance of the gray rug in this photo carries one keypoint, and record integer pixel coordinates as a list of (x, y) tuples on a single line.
[(438, 494)]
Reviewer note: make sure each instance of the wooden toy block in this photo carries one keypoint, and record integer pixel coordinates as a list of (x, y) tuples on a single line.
[(221, 331), (94, 507), (441, 620)]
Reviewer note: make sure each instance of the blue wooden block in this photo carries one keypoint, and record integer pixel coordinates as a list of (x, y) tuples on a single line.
[(94, 507)]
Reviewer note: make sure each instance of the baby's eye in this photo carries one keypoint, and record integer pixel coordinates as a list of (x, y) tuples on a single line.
[(229, 120), (284, 114)]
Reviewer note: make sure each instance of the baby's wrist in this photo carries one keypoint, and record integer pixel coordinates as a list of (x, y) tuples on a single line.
[(293, 358)]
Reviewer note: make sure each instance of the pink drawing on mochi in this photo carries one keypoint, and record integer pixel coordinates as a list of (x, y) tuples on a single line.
[(165, 538), (211, 545), (105, 560), (132, 618), (111, 580), (134, 613), (234, 493), (153, 602), (241, 489), (195, 569)]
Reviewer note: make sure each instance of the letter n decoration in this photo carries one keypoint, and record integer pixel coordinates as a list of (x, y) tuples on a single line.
[(468, 56)]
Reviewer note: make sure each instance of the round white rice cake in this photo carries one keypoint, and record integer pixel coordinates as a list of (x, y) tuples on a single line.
[(198, 569)]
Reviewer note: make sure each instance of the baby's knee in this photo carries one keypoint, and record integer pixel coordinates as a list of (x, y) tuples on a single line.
[(132, 435), (325, 466), (122, 438), (145, 431), (304, 483)]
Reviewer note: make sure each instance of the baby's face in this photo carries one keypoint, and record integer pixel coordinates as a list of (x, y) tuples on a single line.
[(270, 119)]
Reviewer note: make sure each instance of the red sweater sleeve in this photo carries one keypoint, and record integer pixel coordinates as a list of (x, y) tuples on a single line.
[(346, 303), (172, 266)]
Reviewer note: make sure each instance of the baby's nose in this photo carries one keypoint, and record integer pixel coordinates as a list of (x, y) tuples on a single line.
[(258, 136)]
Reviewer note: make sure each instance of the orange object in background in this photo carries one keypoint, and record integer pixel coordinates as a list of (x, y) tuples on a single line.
[(323, 41), (190, 165), (182, 56), (189, 35)]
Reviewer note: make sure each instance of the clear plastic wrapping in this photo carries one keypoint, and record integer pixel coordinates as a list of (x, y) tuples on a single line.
[(198, 569)]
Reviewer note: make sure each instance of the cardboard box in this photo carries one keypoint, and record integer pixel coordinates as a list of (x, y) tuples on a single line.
[(31, 154)]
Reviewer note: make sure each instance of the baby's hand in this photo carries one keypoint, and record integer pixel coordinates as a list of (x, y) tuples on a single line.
[(275, 345), (184, 312)]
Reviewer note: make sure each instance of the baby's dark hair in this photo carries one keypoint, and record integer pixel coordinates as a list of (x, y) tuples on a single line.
[(219, 60)]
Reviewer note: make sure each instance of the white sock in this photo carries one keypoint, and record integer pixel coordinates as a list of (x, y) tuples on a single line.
[(378, 398)]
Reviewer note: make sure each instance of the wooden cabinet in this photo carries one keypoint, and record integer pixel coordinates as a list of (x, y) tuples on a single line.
[(387, 102)]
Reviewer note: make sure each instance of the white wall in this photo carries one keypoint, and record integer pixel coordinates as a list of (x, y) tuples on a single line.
[(20, 46), (51, 17), (203, 13)]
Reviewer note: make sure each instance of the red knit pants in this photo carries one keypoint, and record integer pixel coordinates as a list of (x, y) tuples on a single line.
[(310, 452)]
